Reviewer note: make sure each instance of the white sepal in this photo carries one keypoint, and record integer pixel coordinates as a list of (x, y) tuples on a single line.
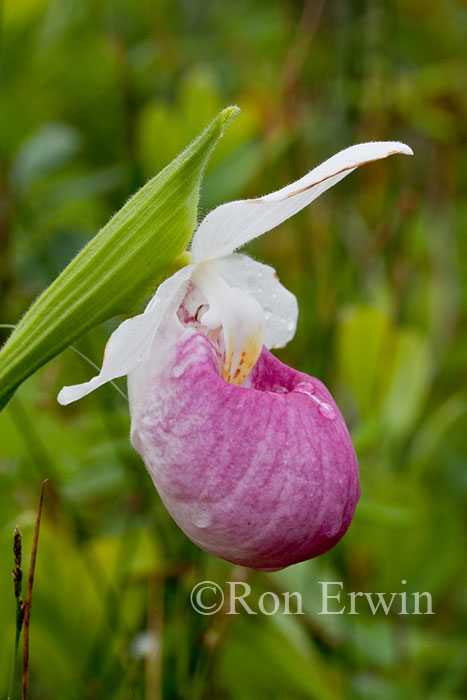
[(130, 344), (232, 225), (261, 282)]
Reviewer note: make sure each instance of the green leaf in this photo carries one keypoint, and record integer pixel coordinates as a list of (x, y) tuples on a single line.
[(411, 374), (365, 343), (118, 268), (387, 368)]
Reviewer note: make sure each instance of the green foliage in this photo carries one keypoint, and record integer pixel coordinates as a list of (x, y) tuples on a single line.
[(117, 269), (387, 370), (96, 98)]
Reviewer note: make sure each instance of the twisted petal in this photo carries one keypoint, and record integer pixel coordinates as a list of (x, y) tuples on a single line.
[(261, 282), (233, 224), (129, 346)]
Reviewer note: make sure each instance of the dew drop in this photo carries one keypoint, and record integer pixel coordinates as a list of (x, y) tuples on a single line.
[(200, 518), (281, 390), (327, 411), (305, 388), (267, 315)]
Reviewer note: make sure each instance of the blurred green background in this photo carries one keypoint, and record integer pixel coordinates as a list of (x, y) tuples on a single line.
[(97, 96)]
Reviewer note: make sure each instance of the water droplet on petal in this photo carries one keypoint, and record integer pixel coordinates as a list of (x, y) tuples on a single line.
[(200, 518), (305, 388), (281, 390), (327, 411), (267, 315)]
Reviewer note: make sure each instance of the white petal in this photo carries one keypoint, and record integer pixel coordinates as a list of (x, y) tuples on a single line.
[(129, 346), (233, 224), (239, 318), (261, 281)]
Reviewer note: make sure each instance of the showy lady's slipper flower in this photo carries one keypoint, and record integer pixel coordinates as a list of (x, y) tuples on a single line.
[(252, 458)]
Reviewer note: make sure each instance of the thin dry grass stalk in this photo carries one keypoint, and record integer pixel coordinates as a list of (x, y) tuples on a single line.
[(27, 602)]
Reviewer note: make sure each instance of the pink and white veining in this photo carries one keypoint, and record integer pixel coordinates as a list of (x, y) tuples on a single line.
[(264, 474)]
